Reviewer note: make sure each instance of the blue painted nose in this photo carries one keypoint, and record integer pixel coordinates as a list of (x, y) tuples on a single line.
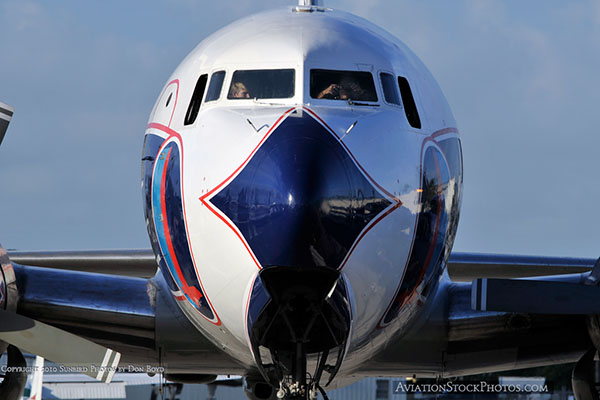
[(301, 201)]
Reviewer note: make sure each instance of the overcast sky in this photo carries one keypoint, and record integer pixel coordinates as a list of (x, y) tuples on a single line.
[(523, 80)]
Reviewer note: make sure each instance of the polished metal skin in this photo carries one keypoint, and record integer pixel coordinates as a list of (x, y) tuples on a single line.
[(464, 267), (135, 263), (249, 199)]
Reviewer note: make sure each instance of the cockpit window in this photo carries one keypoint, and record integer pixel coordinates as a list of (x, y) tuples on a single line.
[(262, 84), (342, 85), (214, 88), (194, 107), (410, 108), (390, 91)]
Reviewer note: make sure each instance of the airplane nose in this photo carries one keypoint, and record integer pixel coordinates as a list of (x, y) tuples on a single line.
[(301, 200)]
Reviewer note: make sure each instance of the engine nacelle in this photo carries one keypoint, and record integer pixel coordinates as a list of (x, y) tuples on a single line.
[(593, 321), (14, 382), (8, 288)]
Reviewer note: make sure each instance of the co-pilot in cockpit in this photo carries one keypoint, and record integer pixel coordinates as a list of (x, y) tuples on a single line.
[(262, 84), (342, 85), (324, 84)]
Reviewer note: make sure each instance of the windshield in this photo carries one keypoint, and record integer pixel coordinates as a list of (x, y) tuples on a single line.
[(342, 85), (262, 84), (216, 83)]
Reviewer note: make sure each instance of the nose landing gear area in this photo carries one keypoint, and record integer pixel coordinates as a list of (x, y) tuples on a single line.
[(283, 346), (296, 391)]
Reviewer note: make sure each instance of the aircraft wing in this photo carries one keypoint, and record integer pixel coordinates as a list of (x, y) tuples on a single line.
[(518, 312), (135, 263), (464, 267), (136, 317), (127, 323)]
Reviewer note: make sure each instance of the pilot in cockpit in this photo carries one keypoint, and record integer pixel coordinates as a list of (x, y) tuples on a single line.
[(347, 89), (239, 91)]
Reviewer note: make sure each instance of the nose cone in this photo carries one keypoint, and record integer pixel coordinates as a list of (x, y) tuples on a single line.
[(301, 200)]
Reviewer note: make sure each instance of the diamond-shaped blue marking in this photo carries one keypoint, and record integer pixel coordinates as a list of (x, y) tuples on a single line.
[(300, 200)]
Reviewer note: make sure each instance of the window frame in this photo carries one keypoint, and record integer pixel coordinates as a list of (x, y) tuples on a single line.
[(189, 110), (225, 77), (263, 99), (395, 85), (411, 91), (352, 102)]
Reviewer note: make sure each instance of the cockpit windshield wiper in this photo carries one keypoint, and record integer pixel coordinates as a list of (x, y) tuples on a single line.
[(355, 103), (268, 103)]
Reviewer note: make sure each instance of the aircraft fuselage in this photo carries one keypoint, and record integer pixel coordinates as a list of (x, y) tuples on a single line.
[(302, 174)]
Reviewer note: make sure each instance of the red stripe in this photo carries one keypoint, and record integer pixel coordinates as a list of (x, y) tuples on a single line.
[(354, 158), (380, 324), (172, 133), (238, 234), (370, 178), (367, 229), (191, 291), (207, 203), (251, 154), (166, 129), (204, 200), (444, 131), (189, 239)]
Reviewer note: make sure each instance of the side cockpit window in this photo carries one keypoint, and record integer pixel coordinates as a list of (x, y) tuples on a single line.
[(215, 86), (194, 107), (410, 108), (390, 92), (262, 84), (342, 85)]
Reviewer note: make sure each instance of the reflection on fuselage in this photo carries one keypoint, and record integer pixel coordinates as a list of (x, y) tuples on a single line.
[(332, 201)]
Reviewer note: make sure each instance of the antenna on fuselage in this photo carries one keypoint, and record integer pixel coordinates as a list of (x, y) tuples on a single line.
[(310, 6), (310, 3)]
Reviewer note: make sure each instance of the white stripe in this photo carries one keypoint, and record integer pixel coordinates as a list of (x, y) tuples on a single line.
[(4, 116), (114, 366), (103, 366), (7, 107), (474, 294), (484, 294)]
